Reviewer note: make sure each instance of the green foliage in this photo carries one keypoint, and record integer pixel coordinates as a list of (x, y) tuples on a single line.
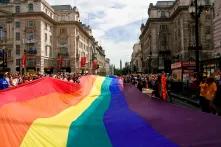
[(120, 72)]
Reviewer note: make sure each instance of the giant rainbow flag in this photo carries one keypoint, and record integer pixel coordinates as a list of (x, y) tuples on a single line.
[(98, 112)]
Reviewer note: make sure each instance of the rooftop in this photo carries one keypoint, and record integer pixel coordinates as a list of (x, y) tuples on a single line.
[(164, 3), (61, 7)]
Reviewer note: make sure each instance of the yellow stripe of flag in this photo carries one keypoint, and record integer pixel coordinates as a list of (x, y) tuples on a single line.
[(53, 131)]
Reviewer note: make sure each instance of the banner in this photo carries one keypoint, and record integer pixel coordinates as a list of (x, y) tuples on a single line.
[(94, 64), (24, 61), (83, 61)]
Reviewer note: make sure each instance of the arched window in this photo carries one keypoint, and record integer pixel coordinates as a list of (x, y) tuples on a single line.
[(30, 7)]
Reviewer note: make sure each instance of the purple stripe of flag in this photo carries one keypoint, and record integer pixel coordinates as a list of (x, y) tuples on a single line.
[(125, 128), (184, 126)]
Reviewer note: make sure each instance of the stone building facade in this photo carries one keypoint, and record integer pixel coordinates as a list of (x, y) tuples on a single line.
[(107, 66), (100, 56), (52, 37), (169, 34), (217, 28), (136, 62)]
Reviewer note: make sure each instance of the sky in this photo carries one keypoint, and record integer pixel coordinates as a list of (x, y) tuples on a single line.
[(115, 24)]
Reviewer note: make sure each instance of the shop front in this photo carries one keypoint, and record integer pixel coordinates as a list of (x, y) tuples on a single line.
[(183, 71), (210, 66)]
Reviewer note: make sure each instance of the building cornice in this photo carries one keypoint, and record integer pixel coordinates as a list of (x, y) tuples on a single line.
[(162, 19), (77, 24), (45, 16)]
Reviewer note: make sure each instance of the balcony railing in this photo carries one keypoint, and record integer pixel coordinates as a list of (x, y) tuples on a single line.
[(30, 28), (62, 45), (66, 63), (32, 51), (64, 54), (30, 41)]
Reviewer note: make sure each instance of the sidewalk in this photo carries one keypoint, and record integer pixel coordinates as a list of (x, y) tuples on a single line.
[(175, 98), (190, 101)]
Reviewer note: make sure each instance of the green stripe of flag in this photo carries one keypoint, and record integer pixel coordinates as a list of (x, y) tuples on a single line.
[(89, 130)]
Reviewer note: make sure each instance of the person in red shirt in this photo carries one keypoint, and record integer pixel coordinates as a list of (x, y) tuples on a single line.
[(164, 87)]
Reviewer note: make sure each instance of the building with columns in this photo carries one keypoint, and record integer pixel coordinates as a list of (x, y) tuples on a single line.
[(52, 37), (100, 56), (136, 58), (107, 66), (214, 64), (169, 34)]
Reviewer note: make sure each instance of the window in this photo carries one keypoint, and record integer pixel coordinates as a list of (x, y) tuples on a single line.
[(62, 30), (50, 39), (31, 62), (18, 61), (83, 54), (17, 49), (2, 34), (46, 26), (50, 52), (207, 30), (17, 9), (17, 36), (46, 51), (163, 14), (32, 50), (30, 7), (30, 36), (164, 41), (46, 37), (30, 23), (64, 51), (9, 54), (17, 24), (207, 2), (163, 27)]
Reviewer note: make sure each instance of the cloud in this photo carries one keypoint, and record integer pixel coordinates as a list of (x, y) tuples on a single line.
[(115, 24), (123, 33), (118, 6)]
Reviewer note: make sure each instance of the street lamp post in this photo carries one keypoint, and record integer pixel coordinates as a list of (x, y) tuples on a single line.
[(195, 10), (197, 37)]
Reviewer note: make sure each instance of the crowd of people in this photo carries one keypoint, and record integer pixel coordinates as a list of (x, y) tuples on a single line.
[(208, 89), (8, 80), (156, 82)]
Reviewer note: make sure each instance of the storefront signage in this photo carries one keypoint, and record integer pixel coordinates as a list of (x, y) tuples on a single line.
[(176, 65), (189, 63)]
